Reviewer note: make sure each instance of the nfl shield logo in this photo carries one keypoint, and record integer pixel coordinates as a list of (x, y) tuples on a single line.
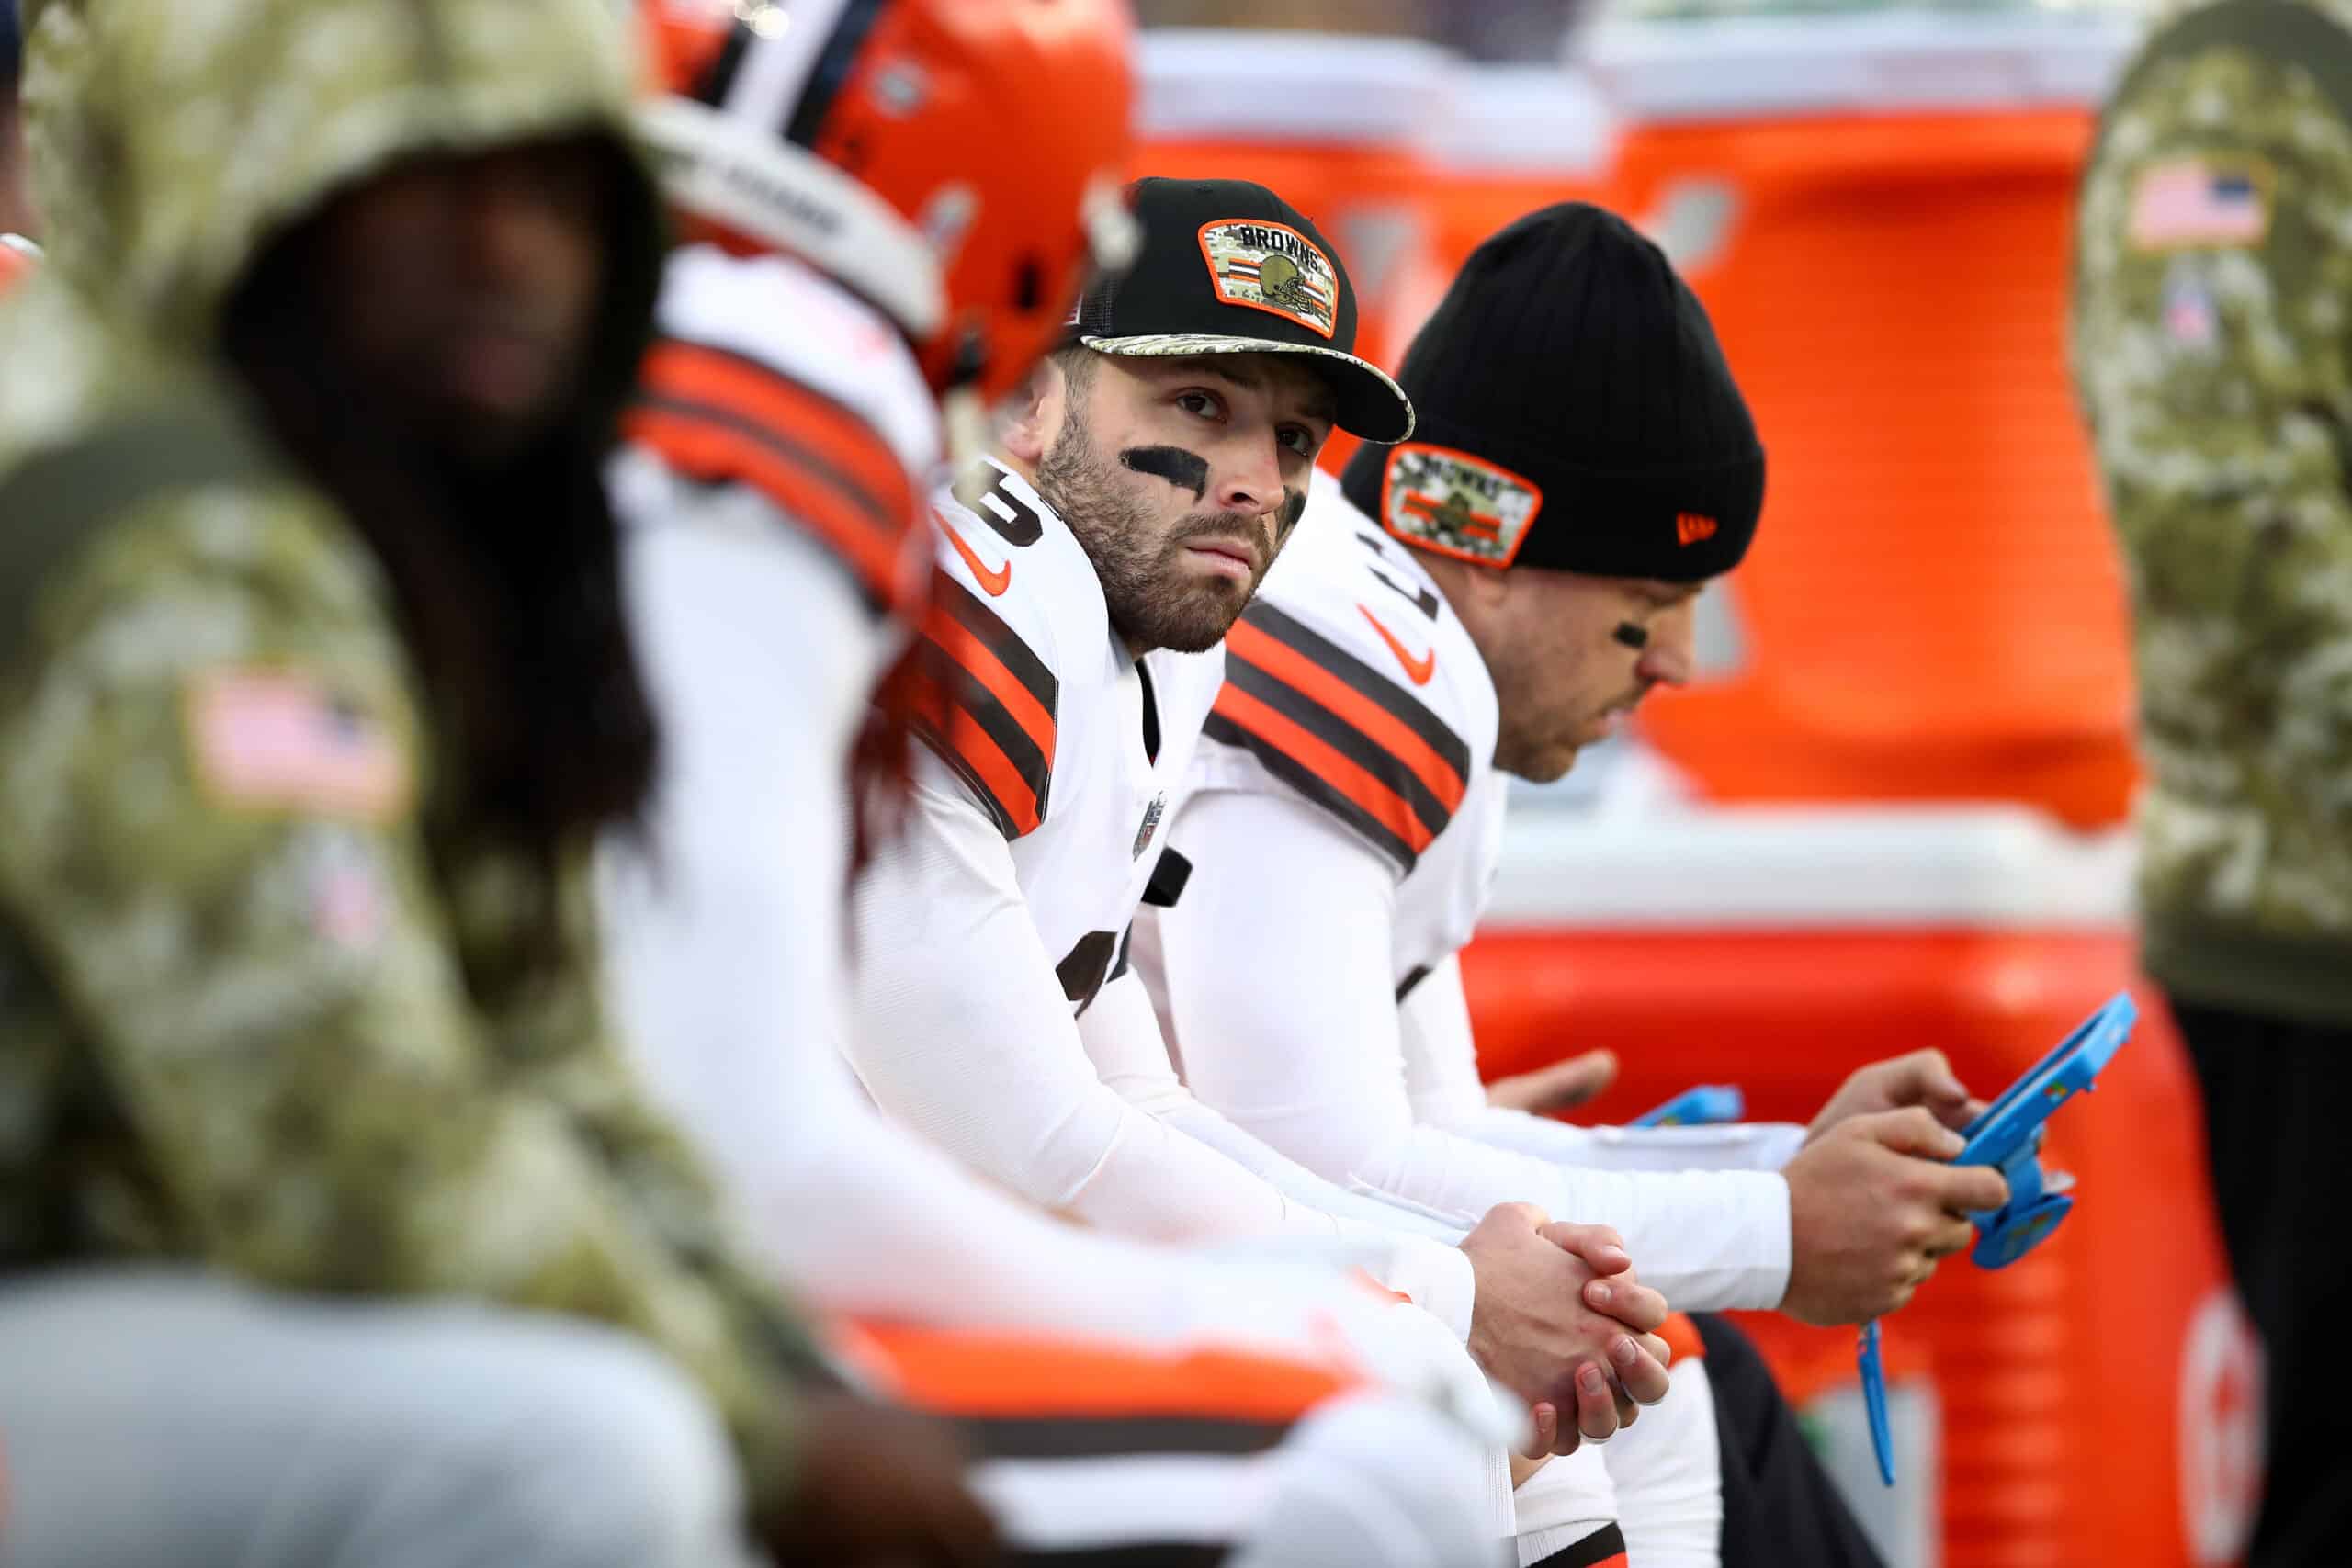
[(1151, 824)]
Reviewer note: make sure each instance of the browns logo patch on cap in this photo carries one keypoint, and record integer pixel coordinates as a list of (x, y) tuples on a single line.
[(1272, 267), (1453, 503)]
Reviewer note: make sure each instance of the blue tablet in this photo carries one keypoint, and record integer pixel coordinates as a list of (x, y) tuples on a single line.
[(2009, 1136), (2026, 1104), (1703, 1105)]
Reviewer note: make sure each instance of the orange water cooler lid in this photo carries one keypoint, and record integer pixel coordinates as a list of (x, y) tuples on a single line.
[(1877, 210)]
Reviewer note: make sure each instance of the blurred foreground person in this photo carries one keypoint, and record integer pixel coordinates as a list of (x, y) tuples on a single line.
[(316, 692), (2215, 263), (15, 214), (1124, 1400)]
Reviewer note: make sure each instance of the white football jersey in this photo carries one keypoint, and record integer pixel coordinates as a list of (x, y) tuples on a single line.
[(819, 409), (999, 914), (1344, 827), (1351, 683), (1073, 747)]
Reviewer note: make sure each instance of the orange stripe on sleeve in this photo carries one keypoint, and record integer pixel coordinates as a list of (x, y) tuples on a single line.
[(1375, 798), (773, 401), (989, 669), (714, 453), (1376, 723), (962, 734)]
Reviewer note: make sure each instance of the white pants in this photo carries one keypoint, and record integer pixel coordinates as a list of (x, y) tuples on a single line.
[(1668, 1470), (1661, 1479), (1564, 1503)]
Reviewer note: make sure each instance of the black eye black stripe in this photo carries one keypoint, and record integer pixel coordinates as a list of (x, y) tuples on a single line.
[(1185, 470)]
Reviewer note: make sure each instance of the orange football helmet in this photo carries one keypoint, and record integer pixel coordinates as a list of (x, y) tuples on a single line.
[(958, 163)]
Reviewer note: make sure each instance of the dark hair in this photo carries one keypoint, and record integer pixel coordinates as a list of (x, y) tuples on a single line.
[(882, 757), (507, 583), (1078, 363)]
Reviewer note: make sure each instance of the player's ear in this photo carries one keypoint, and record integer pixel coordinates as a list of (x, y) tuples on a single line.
[(1485, 588), (1034, 415)]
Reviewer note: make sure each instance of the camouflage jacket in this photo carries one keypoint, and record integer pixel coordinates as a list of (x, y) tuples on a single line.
[(2213, 351), (259, 1008)]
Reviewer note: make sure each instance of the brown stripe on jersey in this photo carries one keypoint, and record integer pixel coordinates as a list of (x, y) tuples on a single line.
[(989, 709), (1342, 737), (1446, 746), (771, 399), (1301, 776), (973, 613), (1341, 733), (712, 446), (942, 735), (721, 418), (1604, 1548)]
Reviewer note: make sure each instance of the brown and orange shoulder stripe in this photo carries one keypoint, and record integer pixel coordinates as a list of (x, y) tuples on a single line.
[(720, 417), (1341, 733), (989, 706)]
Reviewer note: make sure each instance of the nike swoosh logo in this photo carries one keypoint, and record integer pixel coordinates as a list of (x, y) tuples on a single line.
[(1416, 670), (996, 581)]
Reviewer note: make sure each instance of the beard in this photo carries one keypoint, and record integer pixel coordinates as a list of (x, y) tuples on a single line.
[(1153, 600)]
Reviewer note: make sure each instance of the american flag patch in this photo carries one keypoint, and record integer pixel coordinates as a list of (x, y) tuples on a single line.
[(277, 741), (2192, 202)]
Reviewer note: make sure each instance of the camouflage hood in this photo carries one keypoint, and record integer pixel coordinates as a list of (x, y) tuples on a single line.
[(173, 140)]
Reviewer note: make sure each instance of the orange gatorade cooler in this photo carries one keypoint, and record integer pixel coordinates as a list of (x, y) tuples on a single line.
[(1876, 208), (2095, 1403), (1510, 139), (1336, 124)]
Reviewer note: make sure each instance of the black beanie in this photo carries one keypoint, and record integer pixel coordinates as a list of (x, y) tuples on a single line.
[(1575, 414)]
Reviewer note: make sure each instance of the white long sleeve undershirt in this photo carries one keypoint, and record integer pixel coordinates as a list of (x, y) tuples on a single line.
[(962, 1033), (1442, 1079), (1123, 1038), (1278, 974)]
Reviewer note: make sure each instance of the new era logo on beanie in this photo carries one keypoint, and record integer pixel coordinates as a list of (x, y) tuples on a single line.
[(1569, 375), (1230, 268)]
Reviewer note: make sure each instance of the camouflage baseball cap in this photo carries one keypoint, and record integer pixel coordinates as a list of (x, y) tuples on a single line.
[(1230, 268)]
